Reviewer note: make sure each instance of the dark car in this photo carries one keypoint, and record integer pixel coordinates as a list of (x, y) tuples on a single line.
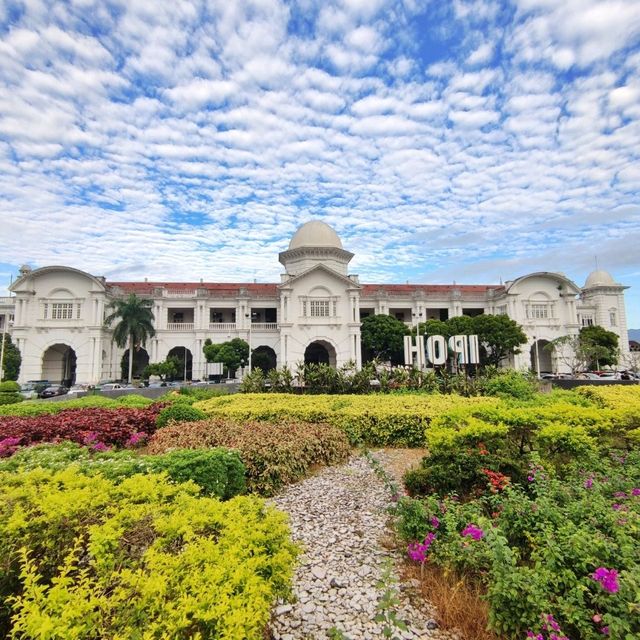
[(55, 390)]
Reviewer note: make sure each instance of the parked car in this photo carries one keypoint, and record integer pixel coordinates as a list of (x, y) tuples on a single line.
[(110, 386), (29, 391), (78, 388), (55, 390)]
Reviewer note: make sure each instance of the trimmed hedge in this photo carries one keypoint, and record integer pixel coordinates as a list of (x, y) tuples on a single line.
[(36, 407), (10, 393), (218, 472), (377, 420), (179, 412), (273, 454), (83, 557)]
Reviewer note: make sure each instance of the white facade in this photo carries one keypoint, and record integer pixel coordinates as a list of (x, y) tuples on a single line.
[(314, 313)]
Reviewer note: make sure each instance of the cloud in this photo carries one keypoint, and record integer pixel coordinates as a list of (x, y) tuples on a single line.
[(189, 139)]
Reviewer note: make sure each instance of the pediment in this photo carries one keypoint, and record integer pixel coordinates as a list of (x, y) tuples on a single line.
[(325, 271)]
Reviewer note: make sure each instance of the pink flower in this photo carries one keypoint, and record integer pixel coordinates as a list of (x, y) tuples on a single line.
[(588, 483), (136, 438), (418, 551), (474, 532), (435, 523), (608, 579), (635, 492)]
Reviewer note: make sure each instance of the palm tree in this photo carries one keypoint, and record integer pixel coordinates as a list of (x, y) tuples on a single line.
[(135, 324)]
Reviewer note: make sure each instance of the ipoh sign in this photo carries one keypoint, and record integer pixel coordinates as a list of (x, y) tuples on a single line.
[(437, 350)]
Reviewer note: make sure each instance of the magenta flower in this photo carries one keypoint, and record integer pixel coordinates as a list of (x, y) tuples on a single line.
[(8, 446), (418, 551), (635, 492), (608, 579), (588, 483), (474, 532), (435, 523), (619, 494), (136, 438)]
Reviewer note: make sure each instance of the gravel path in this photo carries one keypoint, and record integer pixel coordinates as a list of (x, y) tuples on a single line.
[(339, 516)]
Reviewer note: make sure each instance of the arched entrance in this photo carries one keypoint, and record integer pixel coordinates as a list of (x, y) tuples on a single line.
[(59, 365), (140, 361), (264, 358), (183, 354), (320, 352), (541, 360)]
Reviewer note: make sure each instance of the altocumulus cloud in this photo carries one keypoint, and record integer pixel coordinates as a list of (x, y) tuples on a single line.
[(470, 140)]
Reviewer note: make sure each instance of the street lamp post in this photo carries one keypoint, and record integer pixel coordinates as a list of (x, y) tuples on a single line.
[(250, 316), (417, 316)]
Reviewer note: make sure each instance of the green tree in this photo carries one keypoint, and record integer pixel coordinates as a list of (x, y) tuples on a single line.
[(499, 337), (167, 369), (383, 337), (12, 359), (232, 353), (601, 345), (135, 324), (433, 328)]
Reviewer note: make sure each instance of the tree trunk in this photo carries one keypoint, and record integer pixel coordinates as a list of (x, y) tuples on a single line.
[(130, 357)]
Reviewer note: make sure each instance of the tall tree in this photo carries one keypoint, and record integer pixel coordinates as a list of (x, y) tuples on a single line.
[(135, 324), (499, 337), (12, 359), (383, 336), (231, 353), (602, 345)]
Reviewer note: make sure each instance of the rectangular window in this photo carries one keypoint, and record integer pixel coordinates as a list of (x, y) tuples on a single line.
[(538, 311), (319, 308), (62, 311), (586, 321), (501, 310), (612, 318)]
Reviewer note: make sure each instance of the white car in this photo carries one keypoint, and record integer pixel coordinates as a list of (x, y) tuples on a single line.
[(28, 391), (110, 386)]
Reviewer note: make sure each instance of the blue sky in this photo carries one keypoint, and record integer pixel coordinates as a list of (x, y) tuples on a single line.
[(468, 141)]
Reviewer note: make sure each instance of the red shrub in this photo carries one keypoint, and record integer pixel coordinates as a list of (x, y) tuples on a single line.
[(90, 425)]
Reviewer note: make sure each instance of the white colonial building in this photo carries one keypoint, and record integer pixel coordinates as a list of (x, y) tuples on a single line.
[(56, 315)]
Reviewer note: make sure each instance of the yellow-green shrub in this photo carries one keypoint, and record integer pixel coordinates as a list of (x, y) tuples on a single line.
[(373, 419), (561, 443), (468, 434), (83, 558), (36, 408)]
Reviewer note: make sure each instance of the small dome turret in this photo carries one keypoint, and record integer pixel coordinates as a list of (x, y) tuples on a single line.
[(599, 278)]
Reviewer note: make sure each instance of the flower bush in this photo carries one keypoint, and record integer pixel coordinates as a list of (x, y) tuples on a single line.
[(105, 426), (273, 454), (561, 549), (84, 557)]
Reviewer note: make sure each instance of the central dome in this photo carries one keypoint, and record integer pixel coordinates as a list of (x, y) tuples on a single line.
[(315, 234)]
